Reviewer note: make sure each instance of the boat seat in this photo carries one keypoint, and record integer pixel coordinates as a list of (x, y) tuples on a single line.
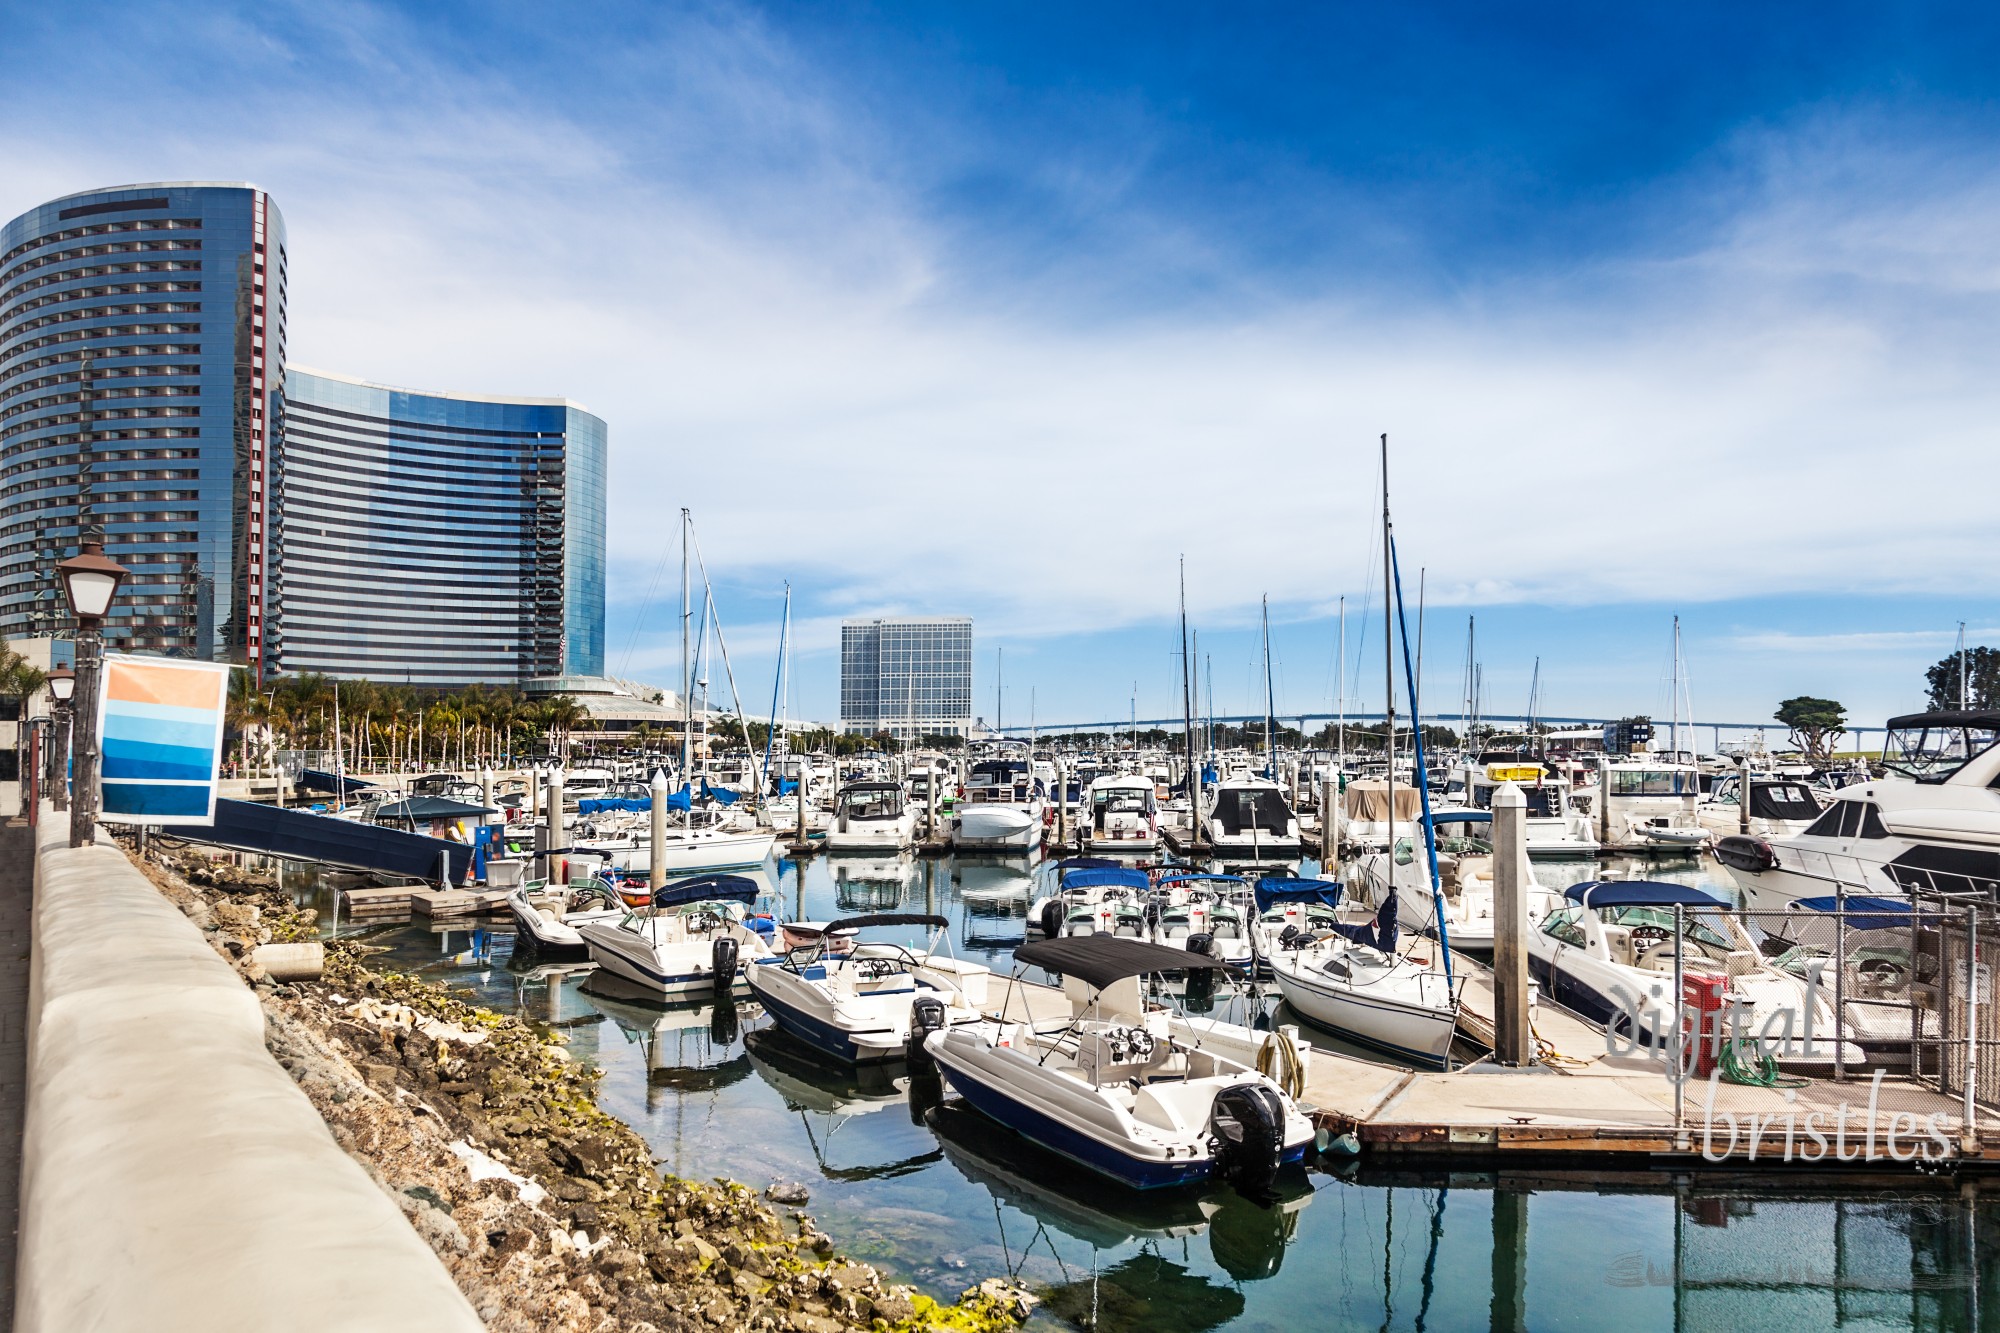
[(1618, 944), (1174, 1104)]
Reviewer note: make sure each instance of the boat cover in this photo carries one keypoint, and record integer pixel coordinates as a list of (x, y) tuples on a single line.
[(1099, 960), (1283, 889), (431, 807), (1864, 913), (1112, 877), (708, 888), (1368, 802), (1460, 816), (847, 923), (1639, 893)]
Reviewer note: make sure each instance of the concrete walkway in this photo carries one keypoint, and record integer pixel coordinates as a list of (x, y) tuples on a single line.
[(17, 880)]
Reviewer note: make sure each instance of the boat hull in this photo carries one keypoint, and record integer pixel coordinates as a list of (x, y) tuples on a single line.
[(1419, 1035), (1007, 827)]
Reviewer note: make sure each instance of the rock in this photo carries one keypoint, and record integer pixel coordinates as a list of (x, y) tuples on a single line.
[(954, 1261), (895, 1306), (788, 1192), (381, 1076)]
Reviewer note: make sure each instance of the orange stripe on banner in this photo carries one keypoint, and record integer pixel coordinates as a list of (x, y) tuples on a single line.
[(144, 683)]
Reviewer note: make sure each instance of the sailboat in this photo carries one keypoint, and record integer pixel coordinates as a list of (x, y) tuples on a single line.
[(1350, 979)]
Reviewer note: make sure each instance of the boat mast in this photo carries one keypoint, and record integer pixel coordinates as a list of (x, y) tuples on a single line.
[(1388, 657), (999, 676), (1674, 702), (1961, 667), (687, 678), (1270, 748), (1187, 697), (1340, 690)]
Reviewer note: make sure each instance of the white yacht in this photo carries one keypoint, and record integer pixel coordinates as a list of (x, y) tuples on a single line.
[(872, 816), (695, 935), (1646, 803), (1249, 817), (1123, 816), (1003, 808), (862, 1001), (1609, 954), (1555, 826), (1778, 808), (549, 917), (1932, 824), (1122, 1089), (1464, 880)]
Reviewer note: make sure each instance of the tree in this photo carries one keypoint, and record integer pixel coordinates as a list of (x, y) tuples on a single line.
[(1982, 680), (1814, 724)]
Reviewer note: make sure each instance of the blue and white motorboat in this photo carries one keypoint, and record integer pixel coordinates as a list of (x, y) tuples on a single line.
[(859, 1000), (1093, 896), (694, 935), (1122, 1089)]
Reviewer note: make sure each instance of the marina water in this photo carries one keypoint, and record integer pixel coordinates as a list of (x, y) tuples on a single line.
[(935, 1195)]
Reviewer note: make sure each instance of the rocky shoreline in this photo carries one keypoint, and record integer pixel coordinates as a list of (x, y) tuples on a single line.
[(549, 1213)]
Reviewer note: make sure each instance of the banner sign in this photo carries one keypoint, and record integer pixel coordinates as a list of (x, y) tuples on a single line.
[(160, 734)]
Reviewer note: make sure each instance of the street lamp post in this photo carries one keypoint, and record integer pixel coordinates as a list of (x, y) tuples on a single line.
[(89, 579), (62, 684)]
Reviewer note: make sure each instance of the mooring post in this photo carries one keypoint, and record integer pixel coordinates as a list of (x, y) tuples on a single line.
[(1512, 1040), (1329, 827), (656, 861), (557, 838)]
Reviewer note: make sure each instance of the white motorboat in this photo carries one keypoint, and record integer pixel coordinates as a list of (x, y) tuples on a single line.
[(695, 935), (1121, 1089), (710, 841), (863, 1003), (1646, 803), (1093, 895), (1778, 808), (872, 817), (549, 917), (1212, 914), (1464, 881), (1249, 817), (1609, 954), (1002, 810), (1351, 981), (1932, 825), (1365, 814), (1123, 816), (1555, 827)]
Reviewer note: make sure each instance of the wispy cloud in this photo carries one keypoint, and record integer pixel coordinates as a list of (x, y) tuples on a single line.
[(1896, 641)]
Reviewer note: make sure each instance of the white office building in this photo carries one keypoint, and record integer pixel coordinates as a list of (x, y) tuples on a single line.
[(910, 676)]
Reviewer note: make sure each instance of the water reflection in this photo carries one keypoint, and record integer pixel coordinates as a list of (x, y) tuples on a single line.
[(939, 1196)]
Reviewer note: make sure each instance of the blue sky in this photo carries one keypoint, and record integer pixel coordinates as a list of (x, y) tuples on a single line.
[(1000, 309)]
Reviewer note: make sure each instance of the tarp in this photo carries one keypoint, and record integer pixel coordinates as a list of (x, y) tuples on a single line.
[(1273, 889), (297, 835), (600, 805), (159, 731), (1367, 801), (680, 800), (1639, 893), (1100, 960)]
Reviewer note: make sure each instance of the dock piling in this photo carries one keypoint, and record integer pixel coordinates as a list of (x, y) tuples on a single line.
[(1512, 1038), (656, 874)]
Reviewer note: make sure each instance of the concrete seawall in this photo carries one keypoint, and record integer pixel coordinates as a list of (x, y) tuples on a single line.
[(173, 1177)]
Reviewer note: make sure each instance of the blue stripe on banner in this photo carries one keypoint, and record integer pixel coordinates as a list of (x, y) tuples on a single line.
[(146, 798), (168, 713), (191, 735), (136, 759)]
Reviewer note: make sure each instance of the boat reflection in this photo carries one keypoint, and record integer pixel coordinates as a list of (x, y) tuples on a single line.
[(687, 1047), (829, 1097), (1248, 1241), (872, 883)]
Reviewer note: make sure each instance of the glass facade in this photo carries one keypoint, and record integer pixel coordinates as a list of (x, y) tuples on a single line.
[(910, 676), (435, 539), (137, 327)]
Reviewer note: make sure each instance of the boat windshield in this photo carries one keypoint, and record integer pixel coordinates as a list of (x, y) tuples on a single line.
[(1698, 930), (1652, 782), (1932, 752)]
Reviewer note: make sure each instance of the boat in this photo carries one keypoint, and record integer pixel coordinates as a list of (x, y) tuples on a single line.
[(1887, 977), (1246, 817), (860, 1001), (1123, 816), (1464, 888), (1351, 981), (1209, 913), (1646, 803), (1555, 827), (1778, 808), (1118, 1090), (1610, 954), (1094, 896), (1365, 812), (550, 917), (1003, 807), (1931, 824), (872, 816), (695, 935)]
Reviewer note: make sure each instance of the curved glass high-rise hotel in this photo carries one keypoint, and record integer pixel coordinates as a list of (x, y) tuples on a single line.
[(142, 332), (436, 538)]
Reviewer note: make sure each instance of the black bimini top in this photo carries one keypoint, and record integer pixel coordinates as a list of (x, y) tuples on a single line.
[(1951, 717), (847, 923), (1100, 960)]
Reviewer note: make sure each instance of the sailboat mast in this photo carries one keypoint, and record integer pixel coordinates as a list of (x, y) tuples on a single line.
[(1187, 696), (687, 675), (1340, 691), (1270, 751), (1674, 704), (1388, 653)]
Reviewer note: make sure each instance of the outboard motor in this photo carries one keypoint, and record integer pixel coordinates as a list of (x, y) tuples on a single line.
[(1201, 980), (722, 958), (926, 1017), (1247, 1133), (1053, 913)]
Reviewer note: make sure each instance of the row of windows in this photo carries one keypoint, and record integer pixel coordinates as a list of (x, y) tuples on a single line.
[(107, 414), (100, 271), (96, 456), (99, 355), (88, 293), (315, 412), (110, 331), (95, 248), (104, 311), (23, 403)]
